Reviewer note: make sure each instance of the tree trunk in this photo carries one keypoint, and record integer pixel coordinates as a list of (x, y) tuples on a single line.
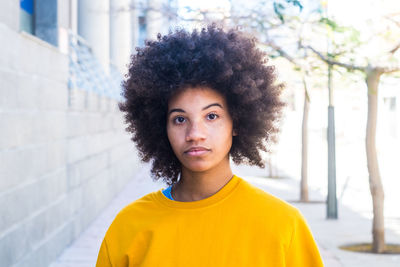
[(375, 183), (304, 147)]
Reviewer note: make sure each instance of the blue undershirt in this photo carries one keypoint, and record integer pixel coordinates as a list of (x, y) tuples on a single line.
[(167, 192)]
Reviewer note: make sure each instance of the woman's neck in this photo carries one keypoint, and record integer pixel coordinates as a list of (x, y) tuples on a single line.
[(195, 186)]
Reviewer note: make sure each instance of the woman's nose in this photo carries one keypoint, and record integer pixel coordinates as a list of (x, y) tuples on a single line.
[(196, 131)]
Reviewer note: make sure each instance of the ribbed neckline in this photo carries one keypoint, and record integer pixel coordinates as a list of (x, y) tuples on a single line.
[(218, 196)]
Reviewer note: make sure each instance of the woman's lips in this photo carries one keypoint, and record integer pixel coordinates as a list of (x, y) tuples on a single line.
[(198, 151)]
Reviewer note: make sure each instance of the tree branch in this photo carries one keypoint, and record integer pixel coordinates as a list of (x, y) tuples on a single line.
[(282, 52), (333, 62), (390, 69), (395, 49)]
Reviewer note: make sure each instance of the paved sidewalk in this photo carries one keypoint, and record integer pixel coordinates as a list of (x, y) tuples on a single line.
[(329, 234)]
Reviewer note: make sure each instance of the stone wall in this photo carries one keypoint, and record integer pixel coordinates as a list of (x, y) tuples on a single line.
[(64, 153)]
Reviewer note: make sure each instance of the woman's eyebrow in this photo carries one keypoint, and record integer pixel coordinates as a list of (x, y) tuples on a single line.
[(212, 105), (176, 110), (206, 107)]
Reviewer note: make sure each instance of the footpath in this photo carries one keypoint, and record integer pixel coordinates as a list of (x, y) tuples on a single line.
[(349, 228)]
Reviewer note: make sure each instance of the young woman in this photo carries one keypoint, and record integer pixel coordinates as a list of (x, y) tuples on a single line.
[(193, 101)]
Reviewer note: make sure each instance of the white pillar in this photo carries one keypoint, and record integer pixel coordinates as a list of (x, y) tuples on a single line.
[(134, 24), (94, 27), (155, 19), (120, 34), (73, 16)]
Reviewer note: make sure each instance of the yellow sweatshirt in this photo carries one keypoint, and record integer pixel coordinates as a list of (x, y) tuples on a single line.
[(240, 225)]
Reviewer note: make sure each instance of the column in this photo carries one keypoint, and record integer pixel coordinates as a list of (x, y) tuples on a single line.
[(94, 27), (120, 34), (135, 11), (155, 19)]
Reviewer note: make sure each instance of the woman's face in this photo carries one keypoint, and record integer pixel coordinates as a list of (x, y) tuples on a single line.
[(199, 128)]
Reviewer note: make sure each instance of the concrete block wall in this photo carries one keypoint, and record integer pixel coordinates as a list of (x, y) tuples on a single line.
[(64, 153), (9, 14)]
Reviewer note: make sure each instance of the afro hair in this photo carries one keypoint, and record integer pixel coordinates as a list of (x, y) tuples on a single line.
[(226, 61)]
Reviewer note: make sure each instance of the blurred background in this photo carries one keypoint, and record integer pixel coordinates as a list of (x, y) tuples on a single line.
[(67, 166)]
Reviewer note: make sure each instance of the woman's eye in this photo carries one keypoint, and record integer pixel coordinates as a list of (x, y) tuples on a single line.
[(179, 120), (212, 116)]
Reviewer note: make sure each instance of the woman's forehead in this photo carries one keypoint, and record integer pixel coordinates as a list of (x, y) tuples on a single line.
[(196, 96)]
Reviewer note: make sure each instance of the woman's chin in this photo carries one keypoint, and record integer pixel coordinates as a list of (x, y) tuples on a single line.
[(197, 167)]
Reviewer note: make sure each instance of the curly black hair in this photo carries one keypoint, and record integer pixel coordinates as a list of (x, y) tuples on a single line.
[(226, 61)]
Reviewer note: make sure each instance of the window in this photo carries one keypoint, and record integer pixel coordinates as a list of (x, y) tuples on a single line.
[(26, 16), (40, 18)]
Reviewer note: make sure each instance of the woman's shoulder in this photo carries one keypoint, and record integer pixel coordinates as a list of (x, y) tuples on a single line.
[(262, 200), (139, 208), (142, 204)]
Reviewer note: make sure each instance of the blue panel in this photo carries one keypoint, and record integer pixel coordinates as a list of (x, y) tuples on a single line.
[(27, 5), (46, 22)]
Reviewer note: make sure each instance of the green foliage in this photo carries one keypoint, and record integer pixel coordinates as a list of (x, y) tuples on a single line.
[(315, 68), (274, 55), (331, 55), (279, 7), (296, 68), (352, 34), (344, 39), (331, 24)]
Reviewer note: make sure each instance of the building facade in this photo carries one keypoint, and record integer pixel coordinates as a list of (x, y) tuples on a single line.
[(64, 153)]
